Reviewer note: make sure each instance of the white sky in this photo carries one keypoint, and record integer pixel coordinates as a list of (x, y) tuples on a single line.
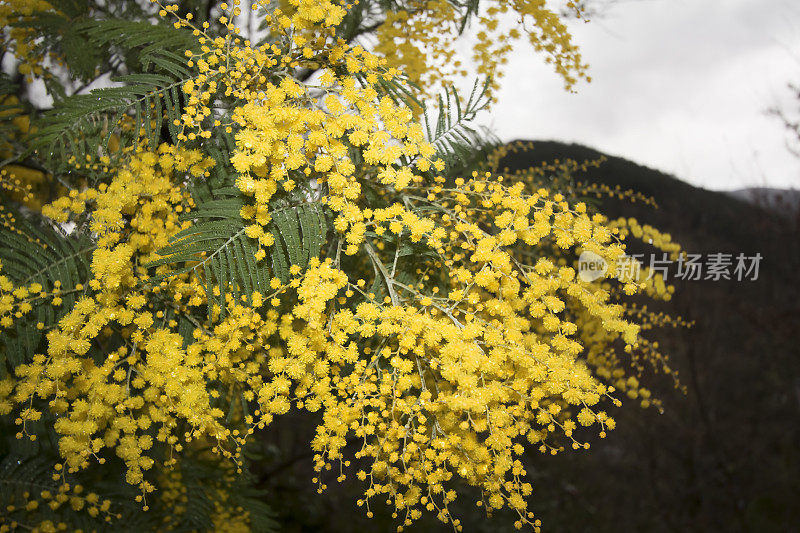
[(678, 85)]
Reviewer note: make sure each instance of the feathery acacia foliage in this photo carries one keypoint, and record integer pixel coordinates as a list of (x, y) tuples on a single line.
[(82, 124), (258, 220)]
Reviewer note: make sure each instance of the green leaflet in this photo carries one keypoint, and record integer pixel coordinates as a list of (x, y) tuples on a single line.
[(450, 133)]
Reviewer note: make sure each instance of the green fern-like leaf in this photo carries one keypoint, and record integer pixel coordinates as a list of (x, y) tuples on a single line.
[(153, 44), (450, 133), (21, 473), (254, 501), (84, 123)]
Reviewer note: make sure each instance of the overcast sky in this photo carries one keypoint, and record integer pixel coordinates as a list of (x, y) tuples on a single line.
[(678, 85)]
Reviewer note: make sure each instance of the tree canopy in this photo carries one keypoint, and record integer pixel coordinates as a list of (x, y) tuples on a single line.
[(236, 212)]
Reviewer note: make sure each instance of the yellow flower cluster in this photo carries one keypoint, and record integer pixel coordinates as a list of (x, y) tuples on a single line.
[(561, 175), (421, 40), (17, 301), (21, 41), (600, 354), (234, 67), (23, 513)]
